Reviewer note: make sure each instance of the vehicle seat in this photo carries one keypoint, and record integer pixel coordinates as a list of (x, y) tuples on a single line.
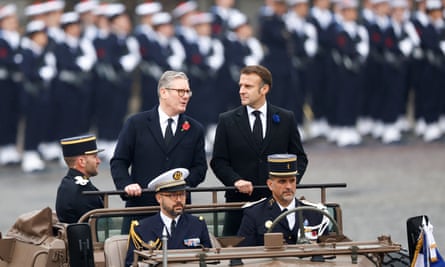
[(115, 250)]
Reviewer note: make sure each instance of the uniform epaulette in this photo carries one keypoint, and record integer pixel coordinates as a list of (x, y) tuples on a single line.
[(312, 204), (250, 204)]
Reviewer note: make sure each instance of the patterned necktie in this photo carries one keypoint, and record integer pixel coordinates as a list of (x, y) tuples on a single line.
[(168, 131), (257, 127)]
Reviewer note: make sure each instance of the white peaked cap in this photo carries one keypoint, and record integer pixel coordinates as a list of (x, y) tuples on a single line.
[(161, 18), (85, 6), (7, 10), (184, 8), (148, 8)]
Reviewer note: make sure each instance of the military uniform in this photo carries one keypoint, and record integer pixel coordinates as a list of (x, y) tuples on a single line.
[(71, 204), (255, 220), (10, 77), (258, 218), (149, 233)]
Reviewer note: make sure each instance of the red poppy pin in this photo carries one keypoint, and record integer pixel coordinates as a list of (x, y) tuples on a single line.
[(185, 126)]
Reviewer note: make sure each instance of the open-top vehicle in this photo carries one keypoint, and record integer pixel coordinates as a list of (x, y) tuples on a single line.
[(37, 239)]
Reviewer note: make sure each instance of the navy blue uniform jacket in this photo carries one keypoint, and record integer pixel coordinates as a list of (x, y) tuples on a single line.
[(150, 231), (71, 204), (253, 224), (141, 153), (236, 155)]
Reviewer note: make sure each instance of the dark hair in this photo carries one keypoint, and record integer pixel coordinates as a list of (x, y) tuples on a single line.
[(261, 71)]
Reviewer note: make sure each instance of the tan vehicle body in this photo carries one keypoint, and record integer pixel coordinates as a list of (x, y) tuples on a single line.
[(37, 239)]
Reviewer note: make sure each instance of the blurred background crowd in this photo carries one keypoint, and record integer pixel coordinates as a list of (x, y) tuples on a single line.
[(347, 69)]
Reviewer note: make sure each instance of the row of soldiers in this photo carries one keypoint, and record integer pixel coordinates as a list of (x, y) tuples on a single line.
[(71, 72)]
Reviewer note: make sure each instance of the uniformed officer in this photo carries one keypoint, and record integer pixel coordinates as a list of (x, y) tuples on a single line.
[(257, 219), (350, 50), (72, 95), (182, 230), (80, 155), (118, 56), (9, 82), (38, 68), (146, 37), (88, 18)]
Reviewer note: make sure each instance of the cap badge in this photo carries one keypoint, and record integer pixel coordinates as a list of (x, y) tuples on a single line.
[(177, 175)]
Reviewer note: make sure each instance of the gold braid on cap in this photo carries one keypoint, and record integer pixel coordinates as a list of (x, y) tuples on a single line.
[(169, 184)]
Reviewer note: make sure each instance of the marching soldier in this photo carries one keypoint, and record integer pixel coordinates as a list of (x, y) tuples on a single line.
[(72, 95), (88, 18), (146, 37), (222, 11), (9, 83), (39, 68), (350, 50)]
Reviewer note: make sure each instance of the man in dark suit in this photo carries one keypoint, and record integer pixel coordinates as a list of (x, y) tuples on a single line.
[(239, 157), (180, 229), (80, 155), (157, 140), (259, 218)]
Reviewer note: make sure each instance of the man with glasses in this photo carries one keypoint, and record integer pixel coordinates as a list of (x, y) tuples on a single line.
[(157, 140), (181, 229), (80, 155)]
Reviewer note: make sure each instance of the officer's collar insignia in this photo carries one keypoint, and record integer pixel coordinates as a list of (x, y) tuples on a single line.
[(81, 180), (271, 201), (177, 175)]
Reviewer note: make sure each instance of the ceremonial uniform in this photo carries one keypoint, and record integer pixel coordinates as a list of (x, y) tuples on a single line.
[(72, 94), (257, 217), (10, 78), (189, 230), (71, 204), (180, 230)]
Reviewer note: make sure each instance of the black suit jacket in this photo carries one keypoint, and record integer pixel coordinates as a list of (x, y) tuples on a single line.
[(141, 153), (237, 156)]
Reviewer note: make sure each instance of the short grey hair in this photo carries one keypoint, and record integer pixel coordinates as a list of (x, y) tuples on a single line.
[(169, 76)]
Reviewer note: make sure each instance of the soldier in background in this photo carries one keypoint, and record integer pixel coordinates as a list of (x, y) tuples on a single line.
[(433, 73), (39, 69), (119, 56), (222, 11), (305, 46), (241, 48), (275, 37), (420, 21), (205, 89), (400, 40), (321, 16), (72, 95), (88, 18), (146, 37), (10, 77), (350, 49)]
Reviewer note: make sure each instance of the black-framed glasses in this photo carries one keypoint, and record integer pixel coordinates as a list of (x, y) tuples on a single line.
[(175, 195), (181, 92)]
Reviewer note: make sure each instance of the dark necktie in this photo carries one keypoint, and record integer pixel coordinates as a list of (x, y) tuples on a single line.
[(173, 227), (168, 132), (257, 127), (286, 220)]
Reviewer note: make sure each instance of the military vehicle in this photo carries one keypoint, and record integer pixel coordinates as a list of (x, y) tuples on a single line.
[(37, 239)]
